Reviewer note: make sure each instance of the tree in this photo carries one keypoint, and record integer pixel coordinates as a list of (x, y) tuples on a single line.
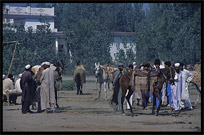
[(34, 48)]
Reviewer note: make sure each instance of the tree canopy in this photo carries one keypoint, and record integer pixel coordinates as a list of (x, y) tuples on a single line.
[(169, 31)]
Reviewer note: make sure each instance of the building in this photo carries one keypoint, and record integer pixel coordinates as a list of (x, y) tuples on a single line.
[(33, 17), (40, 17), (29, 17), (118, 43)]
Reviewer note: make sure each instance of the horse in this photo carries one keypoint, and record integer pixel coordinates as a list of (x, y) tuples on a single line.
[(100, 79), (80, 78), (166, 73), (108, 75), (124, 84)]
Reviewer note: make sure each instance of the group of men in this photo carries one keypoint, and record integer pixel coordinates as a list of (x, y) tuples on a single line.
[(40, 87), (177, 93)]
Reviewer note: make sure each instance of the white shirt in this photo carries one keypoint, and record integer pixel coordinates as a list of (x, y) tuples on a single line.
[(17, 85)]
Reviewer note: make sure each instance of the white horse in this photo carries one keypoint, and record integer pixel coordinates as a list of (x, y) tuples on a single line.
[(99, 71)]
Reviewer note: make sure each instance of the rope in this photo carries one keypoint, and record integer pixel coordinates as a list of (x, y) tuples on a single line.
[(12, 58)]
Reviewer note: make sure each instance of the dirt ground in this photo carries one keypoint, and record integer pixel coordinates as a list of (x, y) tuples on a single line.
[(83, 113)]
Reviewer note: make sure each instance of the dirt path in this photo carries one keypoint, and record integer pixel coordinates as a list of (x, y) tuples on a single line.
[(83, 113)]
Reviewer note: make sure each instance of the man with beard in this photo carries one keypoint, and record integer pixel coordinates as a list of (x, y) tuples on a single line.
[(26, 86)]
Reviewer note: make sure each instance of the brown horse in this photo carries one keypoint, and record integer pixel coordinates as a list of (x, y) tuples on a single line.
[(162, 76), (124, 84)]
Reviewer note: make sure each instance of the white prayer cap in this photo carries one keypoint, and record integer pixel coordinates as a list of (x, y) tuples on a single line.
[(53, 67), (27, 66), (47, 63), (20, 75), (161, 66), (4, 76), (134, 63), (177, 64), (42, 63)]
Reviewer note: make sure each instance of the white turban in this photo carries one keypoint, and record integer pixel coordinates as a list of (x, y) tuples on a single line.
[(47, 63), (177, 64), (42, 63), (134, 63), (52, 67), (20, 75), (27, 66), (4, 76), (161, 67)]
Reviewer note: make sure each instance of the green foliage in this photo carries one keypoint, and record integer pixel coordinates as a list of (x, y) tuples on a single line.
[(34, 48), (169, 31)]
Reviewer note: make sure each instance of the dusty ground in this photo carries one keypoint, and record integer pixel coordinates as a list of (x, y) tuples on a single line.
[(83, 113)]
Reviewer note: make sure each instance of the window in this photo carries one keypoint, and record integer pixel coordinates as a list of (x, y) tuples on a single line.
[(40, 26)]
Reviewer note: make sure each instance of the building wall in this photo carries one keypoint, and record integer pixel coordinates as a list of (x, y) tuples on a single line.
[(29, 16), (29, 10), (118, 43), (19, 22), (35, 22)]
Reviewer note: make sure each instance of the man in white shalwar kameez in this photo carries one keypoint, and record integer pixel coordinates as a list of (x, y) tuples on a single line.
[(47, 91), (176, 89), (187, 76)]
